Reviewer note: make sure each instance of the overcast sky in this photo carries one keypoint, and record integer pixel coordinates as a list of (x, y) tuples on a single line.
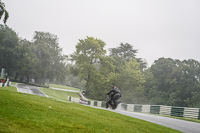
[(156, 28)]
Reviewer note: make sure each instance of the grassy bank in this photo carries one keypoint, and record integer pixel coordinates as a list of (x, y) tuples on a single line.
[(9, 88), (23, 113), (63, 87), (14, 83), (186, 119), (62, 95)]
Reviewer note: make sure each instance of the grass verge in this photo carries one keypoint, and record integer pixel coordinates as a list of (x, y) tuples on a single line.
[(14, 83), (23, 113), (9, 88), (186, 119), (62, 95), (63, 87)]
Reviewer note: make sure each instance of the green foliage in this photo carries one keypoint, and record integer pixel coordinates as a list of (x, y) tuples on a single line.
[(101, 72), (167, 81), (126, 52), (40, 60), (3, 12), (8, 45), (51, 62), (92, 66), (172, 82), (29, 113), (129, 69), (195, 100), (131, 83), (27, 61)]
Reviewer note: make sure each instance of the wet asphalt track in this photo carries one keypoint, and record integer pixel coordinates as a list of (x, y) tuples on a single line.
[(181, 125), (23, 88)]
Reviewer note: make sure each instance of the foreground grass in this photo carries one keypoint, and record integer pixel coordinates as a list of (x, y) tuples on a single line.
[(23, 113), (62, 95), (63, 87), (9, 88)]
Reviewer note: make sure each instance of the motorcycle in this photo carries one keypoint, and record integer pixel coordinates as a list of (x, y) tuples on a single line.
[(111, 104)]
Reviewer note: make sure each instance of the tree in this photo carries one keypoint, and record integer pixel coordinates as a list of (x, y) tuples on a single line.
[(159, 80), (88, 52), (129, 68), (94, 67), (131, 83), (173, 82), (186, 85), (51, 61), (108, 77), (4, 12), (9, 43), (126, 51), (27, 61), (41, 59), (195, 100)]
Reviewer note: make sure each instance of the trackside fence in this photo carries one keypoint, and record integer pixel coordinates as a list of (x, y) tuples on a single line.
[(152, 109)]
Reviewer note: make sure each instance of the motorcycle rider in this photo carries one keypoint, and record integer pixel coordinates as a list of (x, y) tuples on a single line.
[(115, 94)]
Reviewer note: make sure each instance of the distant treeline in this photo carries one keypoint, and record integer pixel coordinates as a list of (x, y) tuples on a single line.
[(91, 68), (23, 60)]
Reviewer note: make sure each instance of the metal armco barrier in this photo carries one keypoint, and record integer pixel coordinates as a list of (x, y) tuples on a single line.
[(124, 106), (103, 104), (130, 107), (191, 113), (199, 114), (177, 111), (137, 108), (146, 108), (89, 102), (95, 103), (153, 109), (165, 110)]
